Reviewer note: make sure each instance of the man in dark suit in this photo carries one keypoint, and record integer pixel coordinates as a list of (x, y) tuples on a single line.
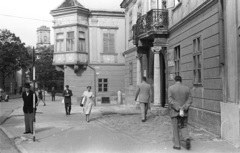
[(144, 96), (179, 97), (28, 109), (67, 93)]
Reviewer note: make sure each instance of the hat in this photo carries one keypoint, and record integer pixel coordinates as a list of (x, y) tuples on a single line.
[(27, 85), (67, 86)]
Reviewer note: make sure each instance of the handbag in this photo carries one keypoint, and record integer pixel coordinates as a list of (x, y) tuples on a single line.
[(63, 101), (83, 101)]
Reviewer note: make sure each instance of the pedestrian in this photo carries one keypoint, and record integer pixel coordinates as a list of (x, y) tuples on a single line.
[(53, 92), (144, 97), (29, 115), (89, 102), (40, 97), (179, 98), (67, 93)]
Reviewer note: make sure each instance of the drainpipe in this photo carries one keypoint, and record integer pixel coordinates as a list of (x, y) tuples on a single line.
[(94, 76)]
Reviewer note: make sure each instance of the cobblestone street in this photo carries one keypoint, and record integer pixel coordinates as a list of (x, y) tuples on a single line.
[(157, 129)]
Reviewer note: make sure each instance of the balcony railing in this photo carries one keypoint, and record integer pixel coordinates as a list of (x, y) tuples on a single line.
[(154, 22), (70, 58)]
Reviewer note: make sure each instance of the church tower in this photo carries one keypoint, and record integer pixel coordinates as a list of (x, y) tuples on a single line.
[(43, 36)]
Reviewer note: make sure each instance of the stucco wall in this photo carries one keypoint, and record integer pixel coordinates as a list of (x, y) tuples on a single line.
[(205, 109)]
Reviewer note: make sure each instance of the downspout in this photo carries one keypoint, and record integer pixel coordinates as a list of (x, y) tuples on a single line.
[(222, 48), (94, 70)]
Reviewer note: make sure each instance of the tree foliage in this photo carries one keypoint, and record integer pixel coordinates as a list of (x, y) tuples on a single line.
[(13, 54), (46, 74)]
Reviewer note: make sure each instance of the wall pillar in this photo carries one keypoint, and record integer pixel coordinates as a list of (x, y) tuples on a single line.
[(159, 46), (157, 83)]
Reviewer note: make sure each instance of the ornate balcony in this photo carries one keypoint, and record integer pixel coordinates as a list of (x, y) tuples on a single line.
[(152, 23), (70, 58)]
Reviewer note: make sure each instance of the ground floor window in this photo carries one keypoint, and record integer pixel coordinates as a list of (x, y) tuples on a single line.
[(103, 85)]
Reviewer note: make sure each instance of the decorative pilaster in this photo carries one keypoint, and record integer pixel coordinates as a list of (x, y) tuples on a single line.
[(157, 83)]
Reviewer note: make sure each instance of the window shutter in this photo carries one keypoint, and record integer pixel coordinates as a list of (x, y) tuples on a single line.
[(105, 42), (111, 42)]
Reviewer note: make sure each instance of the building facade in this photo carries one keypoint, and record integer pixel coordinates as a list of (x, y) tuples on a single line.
[(88, 48), (198, 40)]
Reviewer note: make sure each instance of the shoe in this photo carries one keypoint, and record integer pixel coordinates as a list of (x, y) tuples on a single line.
[(144, 120), (177, 148), (44, 105), (188, 144), (26, 132)]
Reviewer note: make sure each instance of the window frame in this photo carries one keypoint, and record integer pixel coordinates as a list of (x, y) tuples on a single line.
[(177, 60), (197, 56), (71, 42), (101, 84), (109, 49), (83, 41), (61, 42)]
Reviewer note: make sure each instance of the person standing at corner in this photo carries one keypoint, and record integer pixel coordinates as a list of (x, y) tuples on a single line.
[(179, 98), (89, 102), (53, 92), (27, 97), (67, 94), (144, 97)]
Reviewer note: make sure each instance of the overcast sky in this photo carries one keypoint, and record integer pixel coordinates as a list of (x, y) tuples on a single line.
[(38, 9)]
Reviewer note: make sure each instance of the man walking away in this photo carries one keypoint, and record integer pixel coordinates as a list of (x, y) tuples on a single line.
[(179, 98), (67, 93), (144, 97), (27, 96), (53, 92)]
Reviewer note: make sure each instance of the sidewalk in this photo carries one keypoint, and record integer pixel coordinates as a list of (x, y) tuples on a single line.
[(112, 128)]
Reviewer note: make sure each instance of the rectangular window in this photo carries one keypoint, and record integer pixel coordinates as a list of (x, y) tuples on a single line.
[(197, 61), (108, 42), (131, 73), (70, 41), (130, 25), (177, 57), (59, 42), (45, 38), (103, 85), (82, 43)]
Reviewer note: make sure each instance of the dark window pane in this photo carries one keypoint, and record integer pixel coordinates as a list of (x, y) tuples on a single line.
[(105, 80), (105, 89), (99, 80)]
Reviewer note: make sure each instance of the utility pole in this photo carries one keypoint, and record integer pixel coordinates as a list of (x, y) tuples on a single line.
[(34, 94)]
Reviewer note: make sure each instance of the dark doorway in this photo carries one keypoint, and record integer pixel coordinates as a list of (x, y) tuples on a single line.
[(162, 79)]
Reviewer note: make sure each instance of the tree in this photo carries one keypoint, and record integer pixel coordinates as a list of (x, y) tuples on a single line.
[(46, 74), (13, 54)]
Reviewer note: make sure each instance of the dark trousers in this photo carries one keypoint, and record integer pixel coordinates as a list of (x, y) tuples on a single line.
[(144, 109), (28, 118), (180, 131), (53, 97), (68, 108)]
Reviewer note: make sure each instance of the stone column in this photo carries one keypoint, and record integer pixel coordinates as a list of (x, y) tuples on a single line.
[(139, 73), (157, 83)]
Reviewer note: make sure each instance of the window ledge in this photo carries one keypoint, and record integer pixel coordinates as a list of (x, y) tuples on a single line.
[(177, 6), (109, 54)]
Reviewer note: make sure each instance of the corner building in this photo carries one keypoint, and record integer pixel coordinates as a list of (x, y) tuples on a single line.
[(198, 40), (88, 49)]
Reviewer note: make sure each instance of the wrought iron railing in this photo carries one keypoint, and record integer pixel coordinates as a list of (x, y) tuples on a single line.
[(155, 21)]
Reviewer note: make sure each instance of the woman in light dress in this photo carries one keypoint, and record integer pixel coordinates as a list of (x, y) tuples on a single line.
[(89, 102)]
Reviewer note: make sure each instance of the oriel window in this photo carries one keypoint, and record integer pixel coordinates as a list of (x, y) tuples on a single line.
[(70, 41), (177, 59), (197, 61)]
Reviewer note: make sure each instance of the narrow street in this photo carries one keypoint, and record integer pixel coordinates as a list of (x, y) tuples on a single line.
[(112, 129)]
